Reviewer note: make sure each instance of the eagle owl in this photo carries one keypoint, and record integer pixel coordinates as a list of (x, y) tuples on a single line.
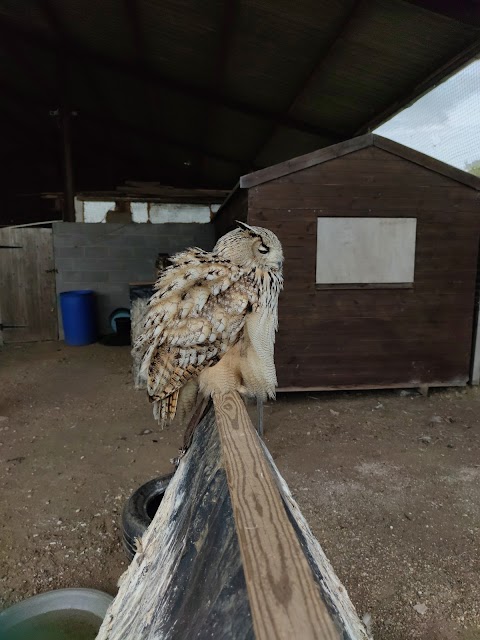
[(210, 325)]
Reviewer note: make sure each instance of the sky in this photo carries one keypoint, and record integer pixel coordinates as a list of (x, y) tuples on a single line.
[(445, 123)]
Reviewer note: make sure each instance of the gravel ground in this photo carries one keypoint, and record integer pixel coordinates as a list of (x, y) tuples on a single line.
[(389, 482)]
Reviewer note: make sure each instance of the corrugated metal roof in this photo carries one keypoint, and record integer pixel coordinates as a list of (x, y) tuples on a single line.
[(198, 92)]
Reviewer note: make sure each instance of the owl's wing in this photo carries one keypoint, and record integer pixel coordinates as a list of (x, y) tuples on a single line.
[(193, 318)]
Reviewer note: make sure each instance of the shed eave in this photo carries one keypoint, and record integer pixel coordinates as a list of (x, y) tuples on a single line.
[(350, 146)]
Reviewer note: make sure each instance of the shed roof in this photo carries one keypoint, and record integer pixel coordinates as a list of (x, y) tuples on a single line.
[(350, 146), (197, 92)]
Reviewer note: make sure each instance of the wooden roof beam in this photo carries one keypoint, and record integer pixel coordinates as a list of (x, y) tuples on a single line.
[(207, 95), (108, 121), (318, 63)]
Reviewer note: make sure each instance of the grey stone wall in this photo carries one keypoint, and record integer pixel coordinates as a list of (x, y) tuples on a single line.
[(107, 257)]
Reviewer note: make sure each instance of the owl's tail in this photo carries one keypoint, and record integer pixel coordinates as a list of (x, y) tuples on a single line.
[(164, 410)]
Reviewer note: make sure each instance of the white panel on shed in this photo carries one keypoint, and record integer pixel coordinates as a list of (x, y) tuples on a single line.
[(179, 213), (365, 250), (139, 211), (96, 211)]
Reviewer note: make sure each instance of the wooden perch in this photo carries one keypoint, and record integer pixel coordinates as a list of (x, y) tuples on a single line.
[(229, 555)]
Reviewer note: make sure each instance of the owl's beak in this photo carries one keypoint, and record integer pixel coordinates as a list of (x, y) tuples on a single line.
[(279, 264)]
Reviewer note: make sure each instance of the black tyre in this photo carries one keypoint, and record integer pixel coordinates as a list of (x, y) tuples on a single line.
[(140, 509)]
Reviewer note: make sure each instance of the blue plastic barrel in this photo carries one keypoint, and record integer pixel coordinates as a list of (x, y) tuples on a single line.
[(79, 317)]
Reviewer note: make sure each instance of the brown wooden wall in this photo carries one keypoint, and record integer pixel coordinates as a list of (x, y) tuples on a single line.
[(234, 209), (374, 337)]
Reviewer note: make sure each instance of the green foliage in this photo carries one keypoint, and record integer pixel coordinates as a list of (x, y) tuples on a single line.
[(474, 168)]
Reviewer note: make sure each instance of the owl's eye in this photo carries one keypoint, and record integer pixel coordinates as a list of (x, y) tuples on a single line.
[(263, 249)]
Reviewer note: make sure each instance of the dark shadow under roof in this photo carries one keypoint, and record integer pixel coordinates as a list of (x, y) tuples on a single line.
[(198, 92)]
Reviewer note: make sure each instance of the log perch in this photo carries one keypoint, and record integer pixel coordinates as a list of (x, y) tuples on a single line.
[(229, 556)]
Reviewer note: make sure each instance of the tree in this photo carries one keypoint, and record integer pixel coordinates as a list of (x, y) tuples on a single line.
[(474, 168)]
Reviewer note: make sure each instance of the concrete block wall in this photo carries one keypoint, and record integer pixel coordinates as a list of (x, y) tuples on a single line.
[(107, 257)]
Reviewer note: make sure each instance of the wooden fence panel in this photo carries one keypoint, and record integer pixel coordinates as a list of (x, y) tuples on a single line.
[(27, 285)]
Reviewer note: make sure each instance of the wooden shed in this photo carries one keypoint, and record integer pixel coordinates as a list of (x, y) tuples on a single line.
[(381, 245)]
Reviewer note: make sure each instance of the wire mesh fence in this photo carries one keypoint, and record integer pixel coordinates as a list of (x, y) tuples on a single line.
[(444, 123)]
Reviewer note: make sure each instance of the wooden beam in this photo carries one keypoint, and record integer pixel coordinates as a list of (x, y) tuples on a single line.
[(63, 78), (305, 161), (355, 144), (428, 162), (190, 574), (320, 60), (106, 121), (285, 600), (86, 56), (62, 37)]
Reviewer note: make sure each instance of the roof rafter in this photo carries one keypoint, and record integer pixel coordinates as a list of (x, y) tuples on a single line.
[(76, 51), (317, 64), (62, 36), (116, 124)]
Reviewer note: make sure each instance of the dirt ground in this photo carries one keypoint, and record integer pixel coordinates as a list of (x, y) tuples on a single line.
[(389, 482)]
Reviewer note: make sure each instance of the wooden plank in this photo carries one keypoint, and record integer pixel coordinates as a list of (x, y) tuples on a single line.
[(335, 594), (427, 161), (369, 285), (189, 578), (284, 598), (320, 156), (305, 161), (13, 277), (369, 387), (31, 309), (443, 205)]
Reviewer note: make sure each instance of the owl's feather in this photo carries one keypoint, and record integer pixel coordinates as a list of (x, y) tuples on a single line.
[(196, 318), (195, 315)]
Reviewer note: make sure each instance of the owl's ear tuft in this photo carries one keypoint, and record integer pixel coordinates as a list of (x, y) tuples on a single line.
[(244, 225), (247, 227)]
